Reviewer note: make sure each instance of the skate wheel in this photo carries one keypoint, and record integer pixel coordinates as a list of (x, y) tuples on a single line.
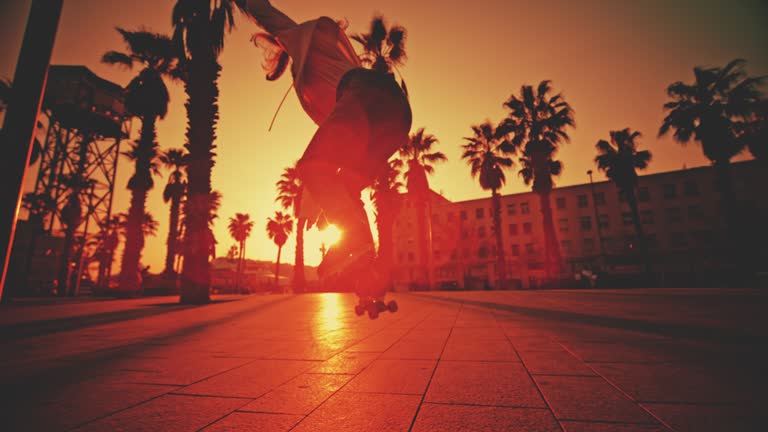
[(392, 306), (359, 310), (373, 311), (381, 306)]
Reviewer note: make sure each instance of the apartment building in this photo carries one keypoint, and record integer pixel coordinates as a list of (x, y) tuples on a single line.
[(680, 213)]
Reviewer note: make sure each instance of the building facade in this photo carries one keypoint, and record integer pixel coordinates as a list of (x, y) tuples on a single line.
[(680, 213)]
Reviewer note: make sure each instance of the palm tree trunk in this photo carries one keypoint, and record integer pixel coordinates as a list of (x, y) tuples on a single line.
[(299, 279), (240, 257), (641, 241), (277, 268), (553, 259), (173, 236), (501, 265), (202, 113), (134, 235), (724, 185)]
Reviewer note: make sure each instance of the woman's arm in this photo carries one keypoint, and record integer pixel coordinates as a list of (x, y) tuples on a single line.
[(266, 16)]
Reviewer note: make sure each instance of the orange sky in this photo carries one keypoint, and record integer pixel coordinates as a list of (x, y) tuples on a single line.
[(611, 59)]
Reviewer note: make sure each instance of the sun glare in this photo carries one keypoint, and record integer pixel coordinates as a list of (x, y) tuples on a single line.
[(330, 235), (328, 317)]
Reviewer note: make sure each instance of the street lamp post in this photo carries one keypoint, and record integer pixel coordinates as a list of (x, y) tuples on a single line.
[(597, 220)]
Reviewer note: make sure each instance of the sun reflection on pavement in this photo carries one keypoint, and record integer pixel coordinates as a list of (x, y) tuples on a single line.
[(329, 314)]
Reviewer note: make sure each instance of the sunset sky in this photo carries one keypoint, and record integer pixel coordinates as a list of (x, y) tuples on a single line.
[(611, 59)]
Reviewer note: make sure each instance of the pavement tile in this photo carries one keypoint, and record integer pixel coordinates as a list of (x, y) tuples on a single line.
[(574, 426), (251, 380), (255, 422), (554, 363), (348, 411), (173, 371), (169, 413), (393, 376), (345, 363), (587, 398), (620, 352), (534, 343), (483, 383), (72, 405), (674, 383), (410, 349), (479, 349), (466, 418), (710, 418), (304, 350), (378, 342), (478, 333), (300, 395)]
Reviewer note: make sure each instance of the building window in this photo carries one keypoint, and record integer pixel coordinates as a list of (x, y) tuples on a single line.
[(481, 231), (565, 245), (449, 217), (513, 229), (678, 240), (586, 223), (603, 221), (690, 188), (463, 215), (400, 257), (527, 228), (515, 250), (582, 201), (465, 252), (511, 209), (650, 241), (560, 202), (454, 255), (600, 198), (643, 195), (695, 213), (525, 208), (465, 234), (436, 254), (673, 214), (670, 191), (435, 219), (529, 248), (646, 217), (626, 218), (482, 252), (562, 224), (479, 213), (410, 256), (588, 245)]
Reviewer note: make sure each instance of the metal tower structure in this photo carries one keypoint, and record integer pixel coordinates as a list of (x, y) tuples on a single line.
[(86, 122)]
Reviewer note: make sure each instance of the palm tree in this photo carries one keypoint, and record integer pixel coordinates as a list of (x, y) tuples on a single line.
[(199, 29), (240, 228), (146, 97), (174, 192), (418, 154), (487, 153), (711, 111), (756, 132), (620, 159), (290, 192), (279, 228), (537, 122), (383, 49), (386, 199)]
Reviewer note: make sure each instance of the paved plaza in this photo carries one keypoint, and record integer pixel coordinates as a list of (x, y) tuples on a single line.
[(602, 361)]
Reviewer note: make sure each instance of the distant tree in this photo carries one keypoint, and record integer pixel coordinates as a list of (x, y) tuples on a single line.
[(712, 111), (488, 153), (420, 159), (620, 159), (279, 228), (383, 48), (538, 122), (755, 132), (147, 98), (174, 192), (5, 94), (233, 253), (240, 228), (290, 192)]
